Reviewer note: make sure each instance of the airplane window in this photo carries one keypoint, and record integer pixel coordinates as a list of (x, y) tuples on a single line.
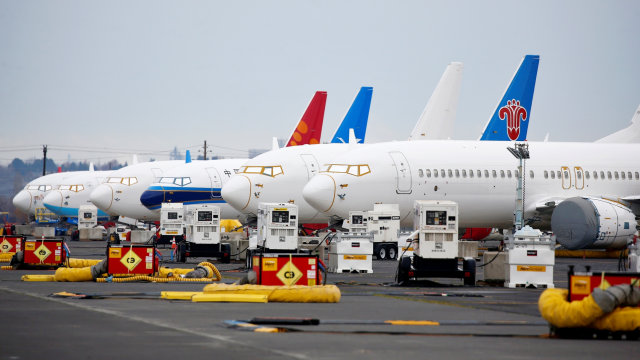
[(553, 174), (546, 174), (636, 173), (509, 174), (47, 187), (615, 173), (65, 187), (277, 170), (435, 172), (450, 173), (442, 174), (531, 174), (114, 180), (470, 173), (623, 175), (166, 180), (338, 168), (133, 180), (353, 170), (602, 175), (609, 175), (479, 173), (566, 174), (595, 175), (502, 173), (586, 174), (32, 187), (251, 169), (494, 173), (629, 175), (464, 173), (486, 173), (420, 173), (579, 175), (428, 173), (558, 173), (457, 173)]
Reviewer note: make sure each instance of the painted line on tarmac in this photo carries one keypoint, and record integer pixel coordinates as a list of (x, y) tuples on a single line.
[(152, 322)]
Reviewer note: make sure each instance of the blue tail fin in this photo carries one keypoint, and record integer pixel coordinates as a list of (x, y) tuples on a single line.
[(511, 119), (187, 157), (356, 118)]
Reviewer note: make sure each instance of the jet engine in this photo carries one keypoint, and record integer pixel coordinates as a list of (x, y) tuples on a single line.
[(587, 222)]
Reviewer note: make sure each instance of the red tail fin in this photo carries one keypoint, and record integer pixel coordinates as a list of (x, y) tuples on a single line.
[(309, 128)]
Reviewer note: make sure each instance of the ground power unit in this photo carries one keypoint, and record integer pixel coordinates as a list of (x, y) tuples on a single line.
[(11, 244), (383, 222), (530, 259), (286, 269), (171, 222), (44, 252), (202, 234), (131, 259), (436, 253), (351, 252)]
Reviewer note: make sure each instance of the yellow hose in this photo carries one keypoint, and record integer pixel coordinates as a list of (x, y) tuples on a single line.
[(80, 263), (6, 267), (152, 279), (555, 308), (302, 294)]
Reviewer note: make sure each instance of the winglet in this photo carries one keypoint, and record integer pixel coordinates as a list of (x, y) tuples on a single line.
[(511, 118), (630, 134), (309, 129), (274, 144), (438, 117), (356, 117), (187, 157)]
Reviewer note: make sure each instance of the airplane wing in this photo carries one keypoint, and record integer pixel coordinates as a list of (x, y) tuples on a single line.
[(309, 129), (356, 118), (438, 117), (511, 118)]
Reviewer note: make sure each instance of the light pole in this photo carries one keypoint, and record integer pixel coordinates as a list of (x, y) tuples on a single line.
[(521, 152)]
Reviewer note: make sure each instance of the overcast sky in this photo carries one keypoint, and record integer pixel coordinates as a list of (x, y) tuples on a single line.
[(151, 75)]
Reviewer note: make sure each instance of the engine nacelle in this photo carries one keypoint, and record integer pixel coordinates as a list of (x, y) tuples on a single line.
[(586, 222)]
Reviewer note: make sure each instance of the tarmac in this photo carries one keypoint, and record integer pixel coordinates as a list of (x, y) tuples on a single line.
[(486, 321)]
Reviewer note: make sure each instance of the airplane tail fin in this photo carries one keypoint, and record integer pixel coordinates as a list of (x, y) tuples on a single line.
[(187, 157), (134, 160), (309, 128), (91, 168), (511, 118), (630, 134), (274, 144), (436, 121), (356, 117)]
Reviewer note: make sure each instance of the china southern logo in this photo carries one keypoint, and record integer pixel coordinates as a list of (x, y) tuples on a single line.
[(513, 113)]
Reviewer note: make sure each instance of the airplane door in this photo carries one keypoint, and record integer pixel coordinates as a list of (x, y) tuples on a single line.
[(566, 177), (403, 172), (311, 163), (579, 176), (214, 177)]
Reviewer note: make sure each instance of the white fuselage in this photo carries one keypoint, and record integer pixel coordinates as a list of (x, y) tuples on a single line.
[(120, 193), (402, 172), (75, 192), (278, 176), (198, 182), (30, 198)]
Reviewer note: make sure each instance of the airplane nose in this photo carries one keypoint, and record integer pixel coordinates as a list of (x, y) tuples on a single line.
[(23, 201), (237, 192), (53, 200), (152, 199), (320, 192), (102, 197)]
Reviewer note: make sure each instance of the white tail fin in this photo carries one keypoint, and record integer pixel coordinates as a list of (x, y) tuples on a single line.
[(274, 144), (546, 138), (134, 160), (438, 117), (630, 134), (91, 166)]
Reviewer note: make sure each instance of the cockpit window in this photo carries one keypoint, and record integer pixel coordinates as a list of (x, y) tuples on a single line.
[(74, 188), (123, 180), (271, 171), (355, 170)]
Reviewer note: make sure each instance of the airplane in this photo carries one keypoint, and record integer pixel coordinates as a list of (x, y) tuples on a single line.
[(200, 182), (598, 179), (630, 134), (68, 197), (266, 172), (30, 198), (296, 166), (120, 193)]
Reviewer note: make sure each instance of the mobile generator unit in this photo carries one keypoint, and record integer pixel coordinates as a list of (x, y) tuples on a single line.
[(202, 238), (171, 222), (383, 222), (351, 252), (87, 217), (436, 253)]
